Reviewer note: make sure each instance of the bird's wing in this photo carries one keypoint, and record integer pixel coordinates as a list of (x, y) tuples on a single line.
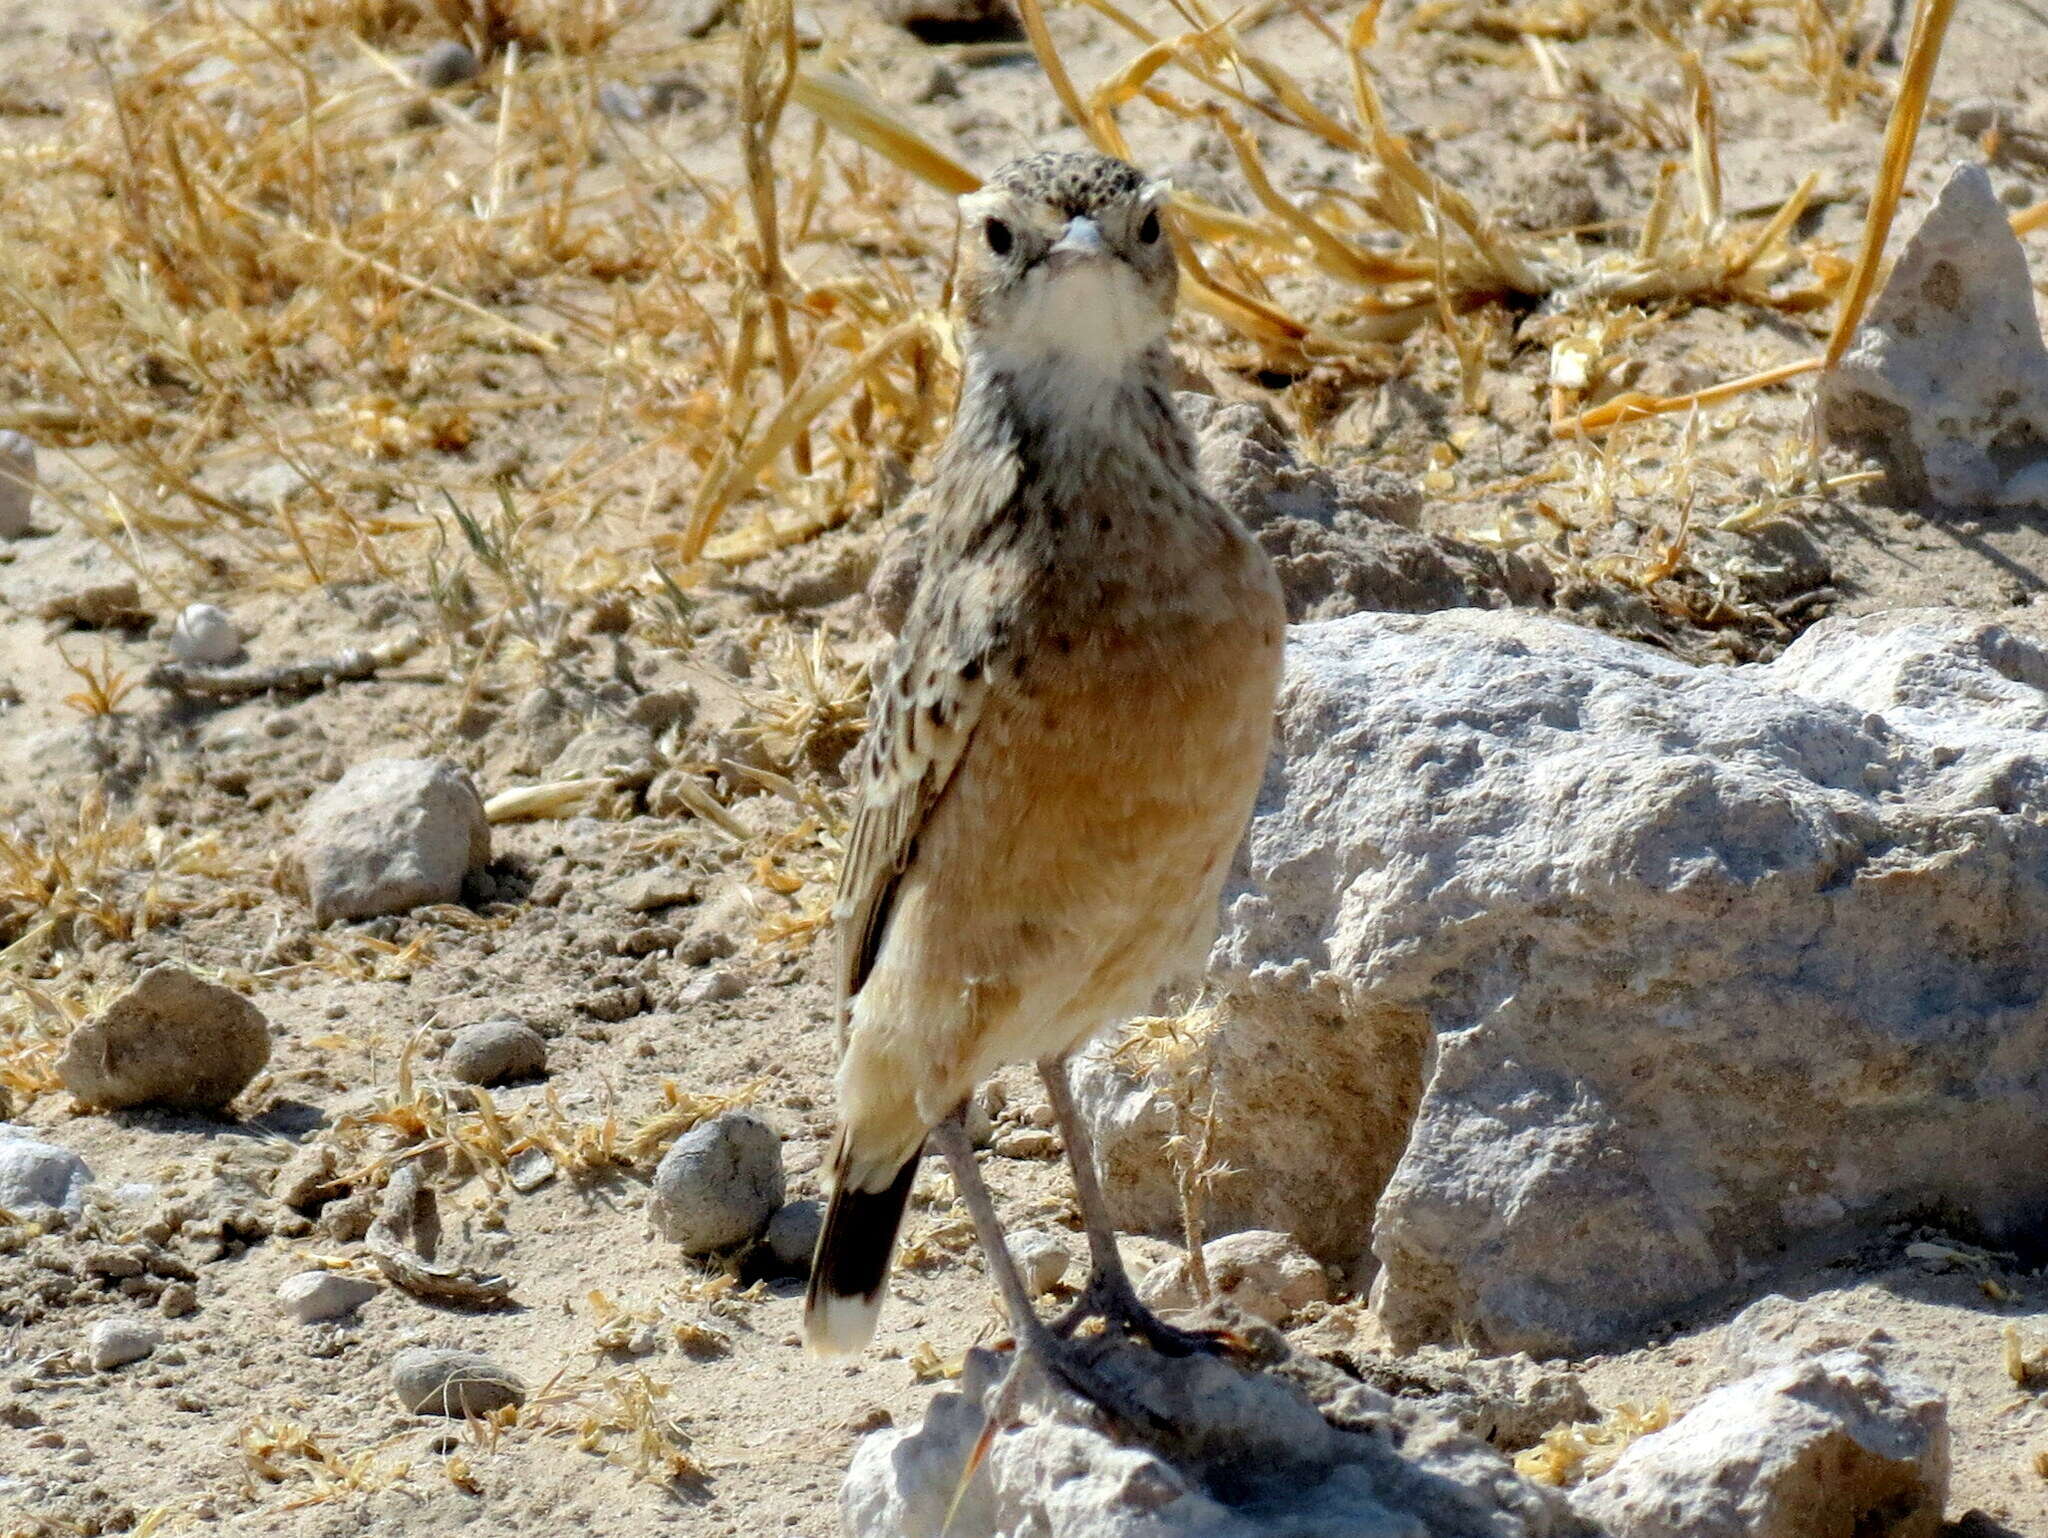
[(926, 702)]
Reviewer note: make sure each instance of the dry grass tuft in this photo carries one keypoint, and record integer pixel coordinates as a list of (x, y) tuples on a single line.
[(1571, 1453)]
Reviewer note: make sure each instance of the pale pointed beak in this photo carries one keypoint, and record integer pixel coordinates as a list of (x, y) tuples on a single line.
[(1081, 242)]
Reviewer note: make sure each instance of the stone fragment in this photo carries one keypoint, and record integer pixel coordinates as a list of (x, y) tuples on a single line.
[(172, 1040), (1042, 1259), (445, 64), (313, 1297), (719, 1185), (495, 1051), (648, 890), (115, 1343), (1946, 381), (1264, 1273), (391, 835), (433, 1380), (792, 1235), (1825, 1445), (37, 1177)]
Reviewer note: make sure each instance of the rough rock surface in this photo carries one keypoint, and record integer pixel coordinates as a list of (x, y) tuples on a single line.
[(17, 484), (792, 1234), (1946, 382), (1826, 1447), (391, 835), (1261, 1272), (719, 1185), (493, 1051), (1548, 936), (1288, 1454), (1336, 536), (432, 1380), (172, 1040), (35, 1175)]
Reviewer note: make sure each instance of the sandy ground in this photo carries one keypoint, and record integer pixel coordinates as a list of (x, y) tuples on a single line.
[(714, 1421)]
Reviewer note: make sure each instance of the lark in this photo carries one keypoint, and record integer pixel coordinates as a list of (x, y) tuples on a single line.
[(1064, 744)]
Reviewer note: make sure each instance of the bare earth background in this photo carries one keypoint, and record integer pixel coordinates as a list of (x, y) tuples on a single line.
[(530, 291)]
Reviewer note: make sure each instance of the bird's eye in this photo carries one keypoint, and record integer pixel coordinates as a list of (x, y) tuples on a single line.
[(999, 237), (1149, 230)]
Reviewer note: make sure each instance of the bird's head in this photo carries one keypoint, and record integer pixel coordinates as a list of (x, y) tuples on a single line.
[(1065, 262)]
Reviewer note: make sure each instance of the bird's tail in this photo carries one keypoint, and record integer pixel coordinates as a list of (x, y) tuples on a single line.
[(851, 1265)]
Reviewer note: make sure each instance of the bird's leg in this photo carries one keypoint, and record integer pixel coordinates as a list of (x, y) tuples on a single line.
[(1035, 1342), (1109, 1293)]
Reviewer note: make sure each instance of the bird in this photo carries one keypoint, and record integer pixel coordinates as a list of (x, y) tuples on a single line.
[(1064, 743)]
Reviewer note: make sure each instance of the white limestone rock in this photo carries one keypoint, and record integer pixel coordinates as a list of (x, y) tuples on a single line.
[(391, 835), (1823, 1447), (1251, 1455), (314, 1297), (1946, 381), (115, 1343), (1580, 982), (204, 635)]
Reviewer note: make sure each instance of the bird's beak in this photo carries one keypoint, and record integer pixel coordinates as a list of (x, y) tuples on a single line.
[(1082, 242)]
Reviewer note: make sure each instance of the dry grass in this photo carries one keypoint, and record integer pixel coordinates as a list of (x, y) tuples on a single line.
[(1571, 1453)]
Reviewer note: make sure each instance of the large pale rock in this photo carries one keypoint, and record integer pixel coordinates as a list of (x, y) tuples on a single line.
[(1947, 380), (1583, 983), (1828, 1447), (391, 835), (719, 1185), (1265, 1274), (1251, 1455), (172, 1040)]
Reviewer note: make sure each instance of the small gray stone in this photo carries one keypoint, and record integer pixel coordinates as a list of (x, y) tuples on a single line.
[(116, 1342), (17, 484), (391, 835), (617, 99), (445, 64), (713, 987), (1977, 115), (172, 1040), (719, 1185), (40, 1177), (204, 635), (1041, 1258), (792, 1234), (432, 1380), (648, 890), (312, 1297), (495, 1051)]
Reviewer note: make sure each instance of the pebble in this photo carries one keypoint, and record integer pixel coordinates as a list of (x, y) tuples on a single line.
[(177, 1300), (1263, 1272), (719, 1185), (496, 1051), (391, 835), (17, 484), (204, 636), (172, 1040), (792, 1235), (1026, 1143), (617, 99), (312, 1297), (116, 1342), (38, 1176), (1041, 1258), (1978, 115), (432, 1380), (445, 64), (651, 889)]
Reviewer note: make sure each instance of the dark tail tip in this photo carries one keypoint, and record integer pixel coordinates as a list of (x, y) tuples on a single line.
[(851, 1264)]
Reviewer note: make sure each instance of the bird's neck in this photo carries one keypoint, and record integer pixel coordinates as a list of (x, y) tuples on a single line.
[(1070, 423)]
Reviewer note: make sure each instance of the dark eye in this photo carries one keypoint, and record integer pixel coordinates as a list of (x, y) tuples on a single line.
[(999, 237), (1149, 230)]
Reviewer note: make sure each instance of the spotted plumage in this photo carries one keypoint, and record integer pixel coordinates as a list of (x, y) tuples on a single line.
[(1065, 741)]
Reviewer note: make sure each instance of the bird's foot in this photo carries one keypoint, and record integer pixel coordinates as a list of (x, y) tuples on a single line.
[(1071, 1365), (1110, 1298)]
